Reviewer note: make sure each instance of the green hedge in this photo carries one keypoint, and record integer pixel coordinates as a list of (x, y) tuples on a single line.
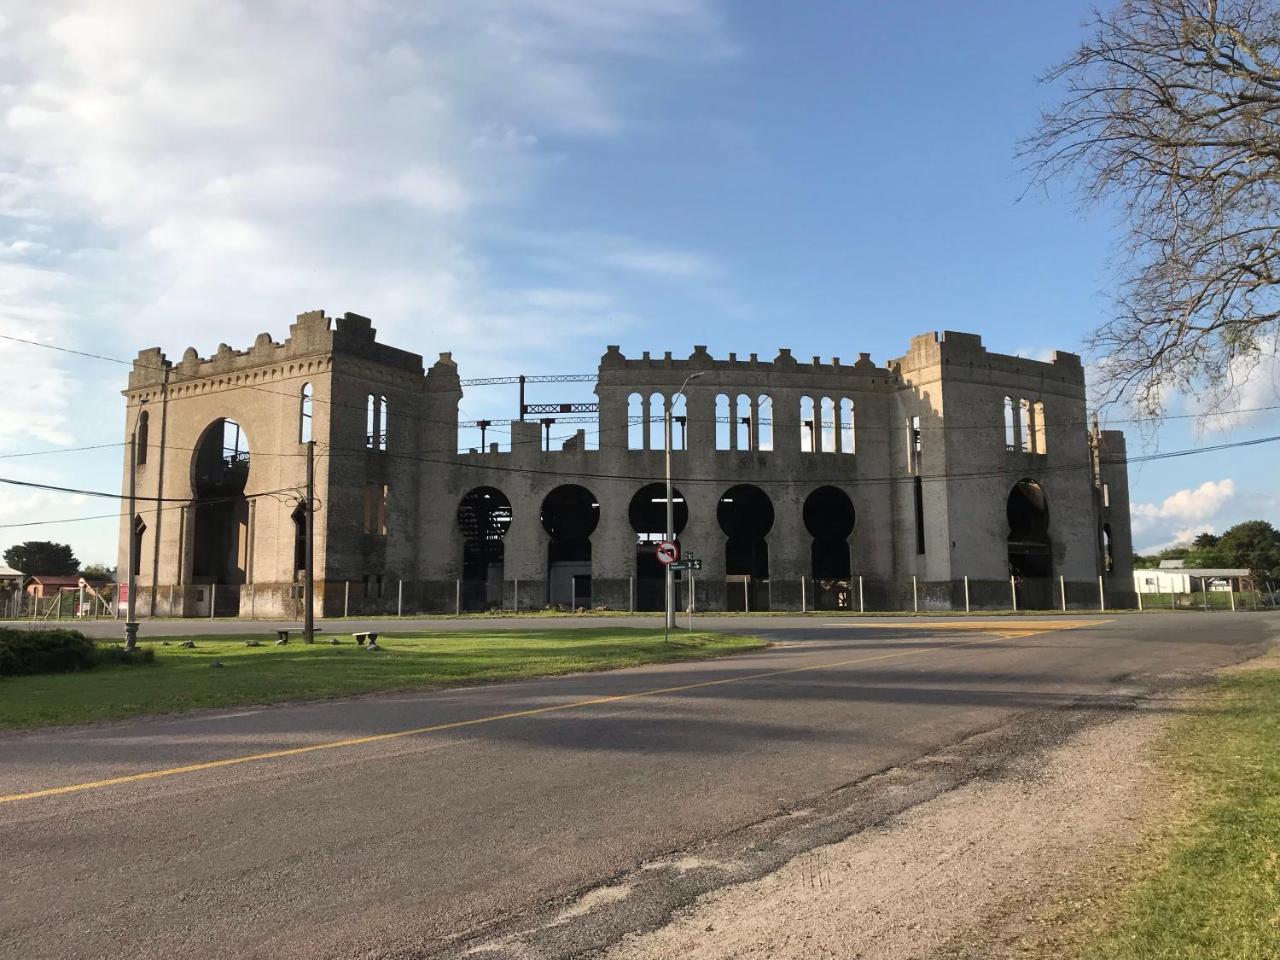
[(58, 651)]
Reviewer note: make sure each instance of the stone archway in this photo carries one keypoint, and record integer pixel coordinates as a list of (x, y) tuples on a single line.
[(1029, 545), (484, 517), (220, 514), (829, 517), (570, 514), (745, 514), (648, 515)]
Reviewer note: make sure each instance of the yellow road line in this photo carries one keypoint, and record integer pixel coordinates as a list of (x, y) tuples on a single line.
[(458, 724)]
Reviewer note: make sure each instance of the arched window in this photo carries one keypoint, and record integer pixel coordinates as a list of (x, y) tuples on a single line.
[(764, 422), (808, 426), (636, 431), (846, 426), (827, 435), (1010, 426), (371, 422), (657, 421), (742, 421), (304, 415), (1042, 444), (382, 423), (139, 528), (140, 443), (1028, 436), (679, 423), (724, 422)]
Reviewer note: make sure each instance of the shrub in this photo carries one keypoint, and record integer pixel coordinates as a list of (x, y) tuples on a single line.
[(59, 651), (44, 651)]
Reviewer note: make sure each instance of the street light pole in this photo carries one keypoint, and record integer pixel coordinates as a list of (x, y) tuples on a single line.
[(309, 582), (130, 621), (670, 620)]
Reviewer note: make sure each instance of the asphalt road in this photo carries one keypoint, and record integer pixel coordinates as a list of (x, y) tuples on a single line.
[(407, 825)]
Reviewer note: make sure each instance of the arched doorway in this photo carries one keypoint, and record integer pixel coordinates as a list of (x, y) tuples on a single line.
[(745, 514), (829, 518), (220, 514), (569, 514), (1030, 549), (484, 517), (648, 515)]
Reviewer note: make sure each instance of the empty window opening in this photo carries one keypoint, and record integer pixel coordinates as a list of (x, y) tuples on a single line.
[(656, 417), (1108, 554), (1024, 423), (1010, 426), (919, 502), (829, 518), (484, 517), (636, 432), (304, 414), (1030, 549), (371, 422), (648, 515), (764, 422), (139, 528), (1037, 411), (742, 422), (846, 426), (375, 509), (141, 437), (220, 521), (1106, 494), (299, 517), (570, 514), (724, 422), (808, 426), (915, 445), (745, 514), (679, 423), (827, 434)]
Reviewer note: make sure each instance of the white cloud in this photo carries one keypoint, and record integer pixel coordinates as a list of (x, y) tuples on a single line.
[(1252, 394), (1179, 517)]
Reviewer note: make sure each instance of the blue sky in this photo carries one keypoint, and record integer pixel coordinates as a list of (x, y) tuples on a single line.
[(523, 182)]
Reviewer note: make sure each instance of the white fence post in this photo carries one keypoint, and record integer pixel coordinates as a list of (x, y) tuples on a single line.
[(1013, 592), (515, 596), (966, 593), (862, 607), (1102, 597), (1232, 594), (1139, 595), (457, 597), (400, 597), (915, 594), (746, 597), (213, 599), (346, 597), (804, 608), (1062, 588)]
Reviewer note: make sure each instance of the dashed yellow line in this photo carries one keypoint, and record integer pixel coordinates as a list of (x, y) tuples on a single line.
[(494, 718)]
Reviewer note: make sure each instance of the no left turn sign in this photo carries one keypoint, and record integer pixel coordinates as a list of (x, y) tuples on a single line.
[(668, 552)]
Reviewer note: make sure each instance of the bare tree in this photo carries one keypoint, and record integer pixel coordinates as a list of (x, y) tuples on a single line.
[(1172, 110)]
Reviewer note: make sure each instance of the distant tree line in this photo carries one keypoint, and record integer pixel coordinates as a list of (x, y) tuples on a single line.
[(1254, 544), (44, 558)]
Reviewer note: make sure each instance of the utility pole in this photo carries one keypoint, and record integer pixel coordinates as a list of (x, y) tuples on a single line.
[(130, 621), (670, 619), (309, 581)]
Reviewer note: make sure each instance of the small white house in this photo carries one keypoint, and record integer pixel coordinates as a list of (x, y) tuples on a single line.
[(1173, 577)]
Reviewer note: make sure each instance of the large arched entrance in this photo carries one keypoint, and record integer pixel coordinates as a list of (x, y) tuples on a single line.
[(745, 514), (569, 514), (220, 515), (829, 518), (484, 517), (648, 515), (1030, 549)]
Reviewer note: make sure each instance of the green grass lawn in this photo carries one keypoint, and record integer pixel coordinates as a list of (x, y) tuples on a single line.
[(182, 679), (1214, 894)]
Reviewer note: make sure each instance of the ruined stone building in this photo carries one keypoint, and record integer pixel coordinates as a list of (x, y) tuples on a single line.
[(931, 480)]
